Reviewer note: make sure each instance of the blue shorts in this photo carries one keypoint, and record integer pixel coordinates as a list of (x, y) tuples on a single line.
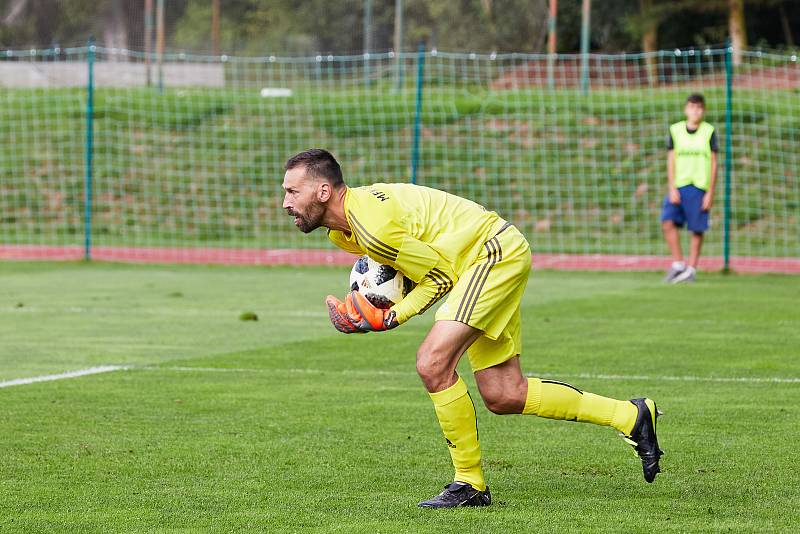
[(689, 211)]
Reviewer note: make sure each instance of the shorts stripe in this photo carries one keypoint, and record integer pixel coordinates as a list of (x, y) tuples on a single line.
[(470, 291), (478, 280), (493, 258), (464, 297), (505, 227)]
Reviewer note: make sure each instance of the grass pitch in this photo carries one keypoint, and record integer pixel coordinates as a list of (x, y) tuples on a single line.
[(282, 424)]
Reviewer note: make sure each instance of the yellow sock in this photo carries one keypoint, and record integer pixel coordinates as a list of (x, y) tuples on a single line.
[(557, 400), (457, 418)]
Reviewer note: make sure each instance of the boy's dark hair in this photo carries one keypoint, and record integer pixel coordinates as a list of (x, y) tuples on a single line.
[(696, 98), (319, 163)]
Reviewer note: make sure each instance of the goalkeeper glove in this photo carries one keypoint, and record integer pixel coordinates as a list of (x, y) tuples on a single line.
[(357, 314), (337, 311)]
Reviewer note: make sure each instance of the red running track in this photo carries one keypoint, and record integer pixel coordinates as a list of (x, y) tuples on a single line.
[(246, 256)]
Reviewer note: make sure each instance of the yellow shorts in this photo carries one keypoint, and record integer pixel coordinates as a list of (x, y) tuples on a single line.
[(488, 296)]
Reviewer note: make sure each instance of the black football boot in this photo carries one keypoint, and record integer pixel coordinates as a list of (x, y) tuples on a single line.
[(459, 494), (643, 437)]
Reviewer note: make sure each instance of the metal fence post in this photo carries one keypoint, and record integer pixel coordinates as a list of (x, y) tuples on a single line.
[(87, 183), (418, 112), (728, 147), (398, 44), (586, 11), (367, 39)]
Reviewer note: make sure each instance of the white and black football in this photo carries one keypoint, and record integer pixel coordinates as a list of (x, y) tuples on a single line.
[(382, 285)]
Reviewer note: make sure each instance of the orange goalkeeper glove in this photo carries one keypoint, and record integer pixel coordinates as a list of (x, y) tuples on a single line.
[(356, 314), (337, 311)]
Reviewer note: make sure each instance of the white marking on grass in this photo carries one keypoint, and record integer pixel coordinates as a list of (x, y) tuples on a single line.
[(172, 312), (254, 370), (378, 372), (679, 378), (60, 376)]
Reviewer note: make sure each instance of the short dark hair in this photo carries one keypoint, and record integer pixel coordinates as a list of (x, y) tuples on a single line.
[(319, 163), (696, 98)]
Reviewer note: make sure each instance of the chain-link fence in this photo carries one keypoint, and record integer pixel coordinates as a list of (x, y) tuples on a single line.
[(187, 151)]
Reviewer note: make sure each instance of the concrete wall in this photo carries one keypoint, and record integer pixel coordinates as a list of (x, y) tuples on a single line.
[(108, 74)]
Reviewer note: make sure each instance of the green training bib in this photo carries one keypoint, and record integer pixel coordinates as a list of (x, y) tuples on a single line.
[(692, 155)]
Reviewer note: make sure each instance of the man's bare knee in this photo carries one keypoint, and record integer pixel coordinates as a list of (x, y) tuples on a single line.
[(435, 368), (501, 403), (503, 387), (439, 353)]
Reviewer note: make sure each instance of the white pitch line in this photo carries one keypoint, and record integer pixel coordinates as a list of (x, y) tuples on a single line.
[(61, 376), (377, 372), (289, 370), (172, 312), (587, 376), (680, 378)]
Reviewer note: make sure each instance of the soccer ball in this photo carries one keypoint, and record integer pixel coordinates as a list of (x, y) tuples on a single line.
[(382, 285)]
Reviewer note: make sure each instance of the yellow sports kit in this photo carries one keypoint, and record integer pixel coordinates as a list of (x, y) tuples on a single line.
[(445, 243), (448, 244)]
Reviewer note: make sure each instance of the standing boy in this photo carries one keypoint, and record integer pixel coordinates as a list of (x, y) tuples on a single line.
[(692, 174)]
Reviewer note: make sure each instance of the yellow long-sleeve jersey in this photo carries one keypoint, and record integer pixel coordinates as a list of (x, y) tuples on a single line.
[(431, 236)]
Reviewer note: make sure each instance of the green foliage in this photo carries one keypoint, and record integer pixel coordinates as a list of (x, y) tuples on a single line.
[(248, 316), (319, 26)]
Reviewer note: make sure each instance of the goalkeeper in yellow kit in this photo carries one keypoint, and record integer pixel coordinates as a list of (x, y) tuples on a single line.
[(447, 244)]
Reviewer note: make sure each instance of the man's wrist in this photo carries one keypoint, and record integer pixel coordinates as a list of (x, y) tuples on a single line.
[(390, 320), (399, 319)]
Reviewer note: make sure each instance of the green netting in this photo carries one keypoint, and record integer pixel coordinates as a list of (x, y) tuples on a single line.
[(195, 159)]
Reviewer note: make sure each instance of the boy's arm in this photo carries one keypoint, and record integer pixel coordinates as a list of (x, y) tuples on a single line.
[(708, 198), (674, 194)]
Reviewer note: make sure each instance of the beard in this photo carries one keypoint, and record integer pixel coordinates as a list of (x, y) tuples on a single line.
[(311, 220)]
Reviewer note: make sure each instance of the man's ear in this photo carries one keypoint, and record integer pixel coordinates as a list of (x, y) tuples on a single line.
[(324, 191)]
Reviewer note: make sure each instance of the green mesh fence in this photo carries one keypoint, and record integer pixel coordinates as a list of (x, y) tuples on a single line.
[(193, 161)]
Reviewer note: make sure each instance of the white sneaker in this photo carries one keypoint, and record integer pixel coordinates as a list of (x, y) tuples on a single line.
[(685, 277), (675, 269)]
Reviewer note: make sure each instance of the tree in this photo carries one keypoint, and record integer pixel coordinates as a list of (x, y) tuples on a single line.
[(649, 22), (736, 29), (645, 25)]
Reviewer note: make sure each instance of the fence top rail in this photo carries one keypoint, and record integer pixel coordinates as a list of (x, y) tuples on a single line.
[(43, 52), (772, 55), (621, 56), (54, 52)]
